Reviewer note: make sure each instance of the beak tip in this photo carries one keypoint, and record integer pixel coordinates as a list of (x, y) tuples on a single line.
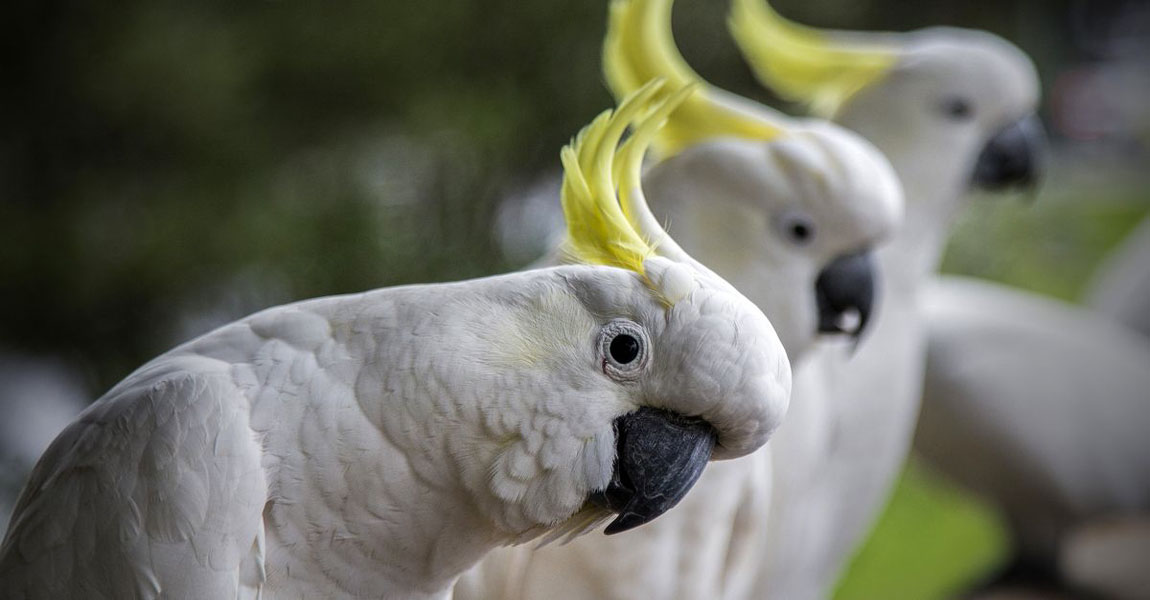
[(624, 522), (1012, 158)]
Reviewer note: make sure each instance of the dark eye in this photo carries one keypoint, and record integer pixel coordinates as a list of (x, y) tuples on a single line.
[(797, 228), (957, 109), (624, 349), (801, 232)]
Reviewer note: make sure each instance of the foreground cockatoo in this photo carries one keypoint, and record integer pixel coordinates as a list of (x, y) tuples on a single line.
[(377, 445), (949, 107), (1121, 287), (787, 210)]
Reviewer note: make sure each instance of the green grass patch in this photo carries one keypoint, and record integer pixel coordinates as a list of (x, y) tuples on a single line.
[(932, 541)]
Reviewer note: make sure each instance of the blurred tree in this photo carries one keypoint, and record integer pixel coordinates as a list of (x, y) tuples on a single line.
[(160, 150)]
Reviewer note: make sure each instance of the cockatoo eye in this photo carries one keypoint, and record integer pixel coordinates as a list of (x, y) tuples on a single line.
[(957, 108), (623, 349), (797, 228)]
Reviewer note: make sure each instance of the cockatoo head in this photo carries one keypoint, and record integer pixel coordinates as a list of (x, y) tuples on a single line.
[(789, 222), (786, 210), (951, 107), (662, 363)]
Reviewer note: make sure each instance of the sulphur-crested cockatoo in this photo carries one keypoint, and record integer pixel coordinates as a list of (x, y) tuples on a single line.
[(377, 445), (1043, 406), (787, 211), (1064, 510), (1121, 287), (948, 107)]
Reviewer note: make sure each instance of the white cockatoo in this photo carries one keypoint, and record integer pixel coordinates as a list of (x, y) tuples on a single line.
[(377, 445), (949, 107), (1027, 400), (1121, 287), (787, 210), (1042, 407)]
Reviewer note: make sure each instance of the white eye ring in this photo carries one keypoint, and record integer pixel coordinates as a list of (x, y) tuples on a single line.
[(797, 228), (624, 349)]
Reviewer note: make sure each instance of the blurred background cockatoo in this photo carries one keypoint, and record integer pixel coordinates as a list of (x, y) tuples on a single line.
[(1026, 400), (949, 108), (1041, 407), (378, 444)]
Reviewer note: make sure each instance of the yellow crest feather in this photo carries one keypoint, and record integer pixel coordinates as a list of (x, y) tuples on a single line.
[(599, 230), (629, 175), (803, 64), (639, 47)]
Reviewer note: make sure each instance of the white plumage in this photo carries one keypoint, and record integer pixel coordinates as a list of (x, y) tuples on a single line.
[(376, 445), (1030, 401), (937, 102), (1042, 406)]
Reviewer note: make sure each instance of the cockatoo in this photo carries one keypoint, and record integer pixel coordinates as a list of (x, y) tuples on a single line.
[(1042, 393), (787, 210), (1121, 287), (949, 107), (377, 445), (1042, 407)]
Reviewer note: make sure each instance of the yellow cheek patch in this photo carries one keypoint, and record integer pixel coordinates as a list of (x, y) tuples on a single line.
[(803, 64), (545, 331)]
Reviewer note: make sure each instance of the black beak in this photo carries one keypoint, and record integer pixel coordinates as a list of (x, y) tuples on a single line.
[(1011, 158), (660, 455), (846, 288)]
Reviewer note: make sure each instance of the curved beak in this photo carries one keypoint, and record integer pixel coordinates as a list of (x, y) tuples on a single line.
[(845, 292), (1012, 157), (660, 456)]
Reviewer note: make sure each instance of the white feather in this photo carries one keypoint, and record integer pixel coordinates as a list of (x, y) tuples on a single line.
[(374, 445), (1038, 405)]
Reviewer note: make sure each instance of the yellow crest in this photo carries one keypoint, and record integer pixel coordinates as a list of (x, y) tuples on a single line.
[(803, 64), (601, 230), (639, 47)]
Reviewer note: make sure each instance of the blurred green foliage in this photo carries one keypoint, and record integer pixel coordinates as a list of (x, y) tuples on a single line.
[(157, 152), (160, 149), (1052, 243), (932, 541)]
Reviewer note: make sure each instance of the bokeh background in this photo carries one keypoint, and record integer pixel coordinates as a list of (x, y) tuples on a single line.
[(166, 167)]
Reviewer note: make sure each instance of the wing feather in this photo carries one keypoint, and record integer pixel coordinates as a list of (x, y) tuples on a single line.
[(159, 481)]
